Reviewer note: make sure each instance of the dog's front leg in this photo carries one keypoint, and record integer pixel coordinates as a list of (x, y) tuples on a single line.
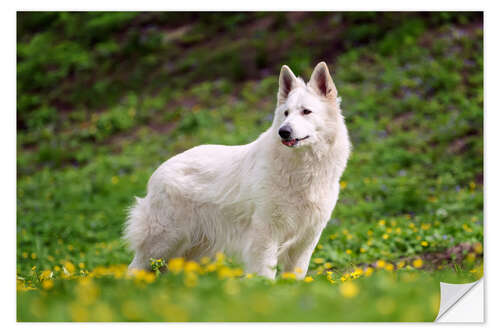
[(300, 255), (261, 253)]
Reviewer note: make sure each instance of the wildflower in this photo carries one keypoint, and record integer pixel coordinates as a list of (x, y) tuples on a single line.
[(470, 257), (333, 236), (288, 276), (319, 246), (33, 268), (47, 284), (25, 255), (318, 260), (398, 231), (298, 270), (369, 271), (219, 257), (369, 233), (33, 256), (192, 266), (343, 184), (57, 268), (362, 250), (308, 279), (388, 230), (418, 263), (472, 185), (381, 223), (224, 272), (249, 276), (424, 243), (114, 180), (385, 236), (69, 268), (349, 289), (205, 260), (389, 267), (176, 265), (380, 263), (425, 226), (401, 264), (348, 251), (81, 265), (478, 248), (46, 275)]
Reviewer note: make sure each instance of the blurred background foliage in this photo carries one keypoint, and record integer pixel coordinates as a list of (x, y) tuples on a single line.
[(104, 97)]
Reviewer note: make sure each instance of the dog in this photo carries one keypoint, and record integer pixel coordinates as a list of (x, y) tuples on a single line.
[(265, 203)]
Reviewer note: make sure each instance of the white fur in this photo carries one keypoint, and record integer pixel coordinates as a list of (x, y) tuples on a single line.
[(263, 202)]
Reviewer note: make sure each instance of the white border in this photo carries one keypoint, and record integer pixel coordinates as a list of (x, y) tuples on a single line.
[(8, 137)]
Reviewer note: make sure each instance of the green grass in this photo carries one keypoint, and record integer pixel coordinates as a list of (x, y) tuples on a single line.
[(117, 94)]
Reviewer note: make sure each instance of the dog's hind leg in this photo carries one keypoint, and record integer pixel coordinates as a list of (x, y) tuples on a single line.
[(148, 235)]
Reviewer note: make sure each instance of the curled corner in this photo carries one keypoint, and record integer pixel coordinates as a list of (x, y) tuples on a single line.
[(451, 295)]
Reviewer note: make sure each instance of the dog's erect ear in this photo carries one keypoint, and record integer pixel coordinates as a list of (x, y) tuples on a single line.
[(322, 82), (287, 82)]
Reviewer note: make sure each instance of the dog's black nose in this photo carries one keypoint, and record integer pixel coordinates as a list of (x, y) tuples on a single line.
[(285, 132)]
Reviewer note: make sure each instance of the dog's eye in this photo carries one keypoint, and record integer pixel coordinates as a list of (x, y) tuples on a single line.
[(286, 113), (306, 111)]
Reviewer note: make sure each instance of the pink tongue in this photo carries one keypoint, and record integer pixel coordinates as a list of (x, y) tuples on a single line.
[(289, 143)]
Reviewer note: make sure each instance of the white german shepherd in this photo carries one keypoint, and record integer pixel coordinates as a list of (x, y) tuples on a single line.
[(266, 202)]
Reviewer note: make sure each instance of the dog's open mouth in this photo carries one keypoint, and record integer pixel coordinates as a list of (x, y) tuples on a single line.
[(293, 142)]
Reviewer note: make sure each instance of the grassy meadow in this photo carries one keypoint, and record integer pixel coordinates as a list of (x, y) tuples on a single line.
[(104, 98)]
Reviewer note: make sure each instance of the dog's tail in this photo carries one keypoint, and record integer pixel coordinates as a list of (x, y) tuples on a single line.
[(136, 225)]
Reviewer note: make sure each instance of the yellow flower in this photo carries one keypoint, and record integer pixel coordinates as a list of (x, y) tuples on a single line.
[(176, 265), (385, 236), (380, 263), (369, 233), (288, 276), (348, 251), (192, 266), (33, 256), (81, 265), (69, 267), (47, 284), (418, 263), (401, 264), (318, 260), (424, 243), (219, 257), (381, 223), (470, 257), (369, 271), (33, 268), (46, 274), (114, 180), (57, 268), (472, 185), (298, 270), (362, 250), (333, 236), (389, 267), (25, 255), (308, 279), (343, 184), (319, 246), (205, 260), (478, 248), (349, 289), (249, 276)]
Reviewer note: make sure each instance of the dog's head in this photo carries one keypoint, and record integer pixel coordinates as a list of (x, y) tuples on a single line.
[(306, 113)]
